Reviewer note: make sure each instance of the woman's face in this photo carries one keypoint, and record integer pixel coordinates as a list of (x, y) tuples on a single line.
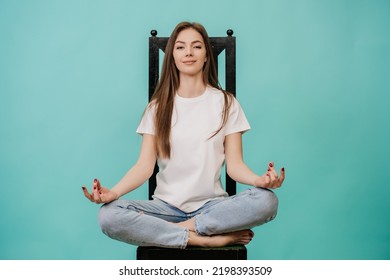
[(189, 52)]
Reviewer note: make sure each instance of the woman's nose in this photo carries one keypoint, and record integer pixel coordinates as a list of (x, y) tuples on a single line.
[(189, 52)]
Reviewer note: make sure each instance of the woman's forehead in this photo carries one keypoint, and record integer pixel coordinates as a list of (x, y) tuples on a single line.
[(189, 35)]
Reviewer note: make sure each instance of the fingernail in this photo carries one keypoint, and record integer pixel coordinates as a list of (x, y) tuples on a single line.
[(270, 164), (83, 188), (95, 180), (94, 188), (100, 192), (283, 169)]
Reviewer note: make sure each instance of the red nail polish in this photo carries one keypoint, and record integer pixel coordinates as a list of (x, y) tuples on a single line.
[(95, 180), (94, 188), (270, 164), (283, 169)]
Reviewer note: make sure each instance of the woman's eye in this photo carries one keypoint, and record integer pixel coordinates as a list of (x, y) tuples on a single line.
[(197, 47), (179, 48)]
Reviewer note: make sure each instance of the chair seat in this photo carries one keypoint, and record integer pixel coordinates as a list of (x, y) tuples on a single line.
[(236, 252)]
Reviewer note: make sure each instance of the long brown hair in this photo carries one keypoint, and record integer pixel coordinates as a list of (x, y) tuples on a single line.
[(163, 97)]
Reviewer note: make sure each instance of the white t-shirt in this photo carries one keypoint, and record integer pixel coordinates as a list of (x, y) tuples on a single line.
[(191, 176)]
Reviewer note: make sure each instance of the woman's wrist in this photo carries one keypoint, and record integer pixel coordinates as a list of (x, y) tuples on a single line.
[(116, 194), (258, 182)]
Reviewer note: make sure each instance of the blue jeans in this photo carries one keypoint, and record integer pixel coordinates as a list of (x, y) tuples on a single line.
[(151, 222)]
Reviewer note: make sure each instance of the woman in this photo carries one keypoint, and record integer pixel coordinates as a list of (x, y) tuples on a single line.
[(191, 127)]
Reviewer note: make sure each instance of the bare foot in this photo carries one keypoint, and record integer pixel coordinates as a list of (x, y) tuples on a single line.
[(242, 237), (188, 224)]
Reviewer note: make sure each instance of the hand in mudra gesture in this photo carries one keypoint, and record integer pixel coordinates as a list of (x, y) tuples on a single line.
[(271, 179), (99, 194)]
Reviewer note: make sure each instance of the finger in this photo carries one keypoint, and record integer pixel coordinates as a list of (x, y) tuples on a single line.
[(272, 176), (267, 180), (271, 168), (272, 182), (87, 194), (100, 191), (279, 181), (95, 192), (282, 175), (98, 184)]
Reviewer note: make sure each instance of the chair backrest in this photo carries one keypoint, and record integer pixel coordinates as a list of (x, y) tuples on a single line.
[(218, 44)]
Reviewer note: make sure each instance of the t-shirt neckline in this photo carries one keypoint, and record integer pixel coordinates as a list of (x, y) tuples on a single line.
[(193, 99)]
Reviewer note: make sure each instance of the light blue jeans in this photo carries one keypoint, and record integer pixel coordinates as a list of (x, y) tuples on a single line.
[(151, 222)]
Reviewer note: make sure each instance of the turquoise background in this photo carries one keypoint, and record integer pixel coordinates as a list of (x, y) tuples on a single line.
[(312, 77)]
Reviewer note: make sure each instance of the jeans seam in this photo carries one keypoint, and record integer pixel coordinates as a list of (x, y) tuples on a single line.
[(148, 212)]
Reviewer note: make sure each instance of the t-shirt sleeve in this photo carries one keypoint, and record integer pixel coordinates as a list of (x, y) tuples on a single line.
[(237, 121), (146, 125)]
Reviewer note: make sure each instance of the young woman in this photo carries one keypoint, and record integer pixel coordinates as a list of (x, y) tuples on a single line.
[(191, 127)]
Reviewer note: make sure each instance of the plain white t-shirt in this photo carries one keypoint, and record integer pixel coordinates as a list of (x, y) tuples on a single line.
[(191, 176)]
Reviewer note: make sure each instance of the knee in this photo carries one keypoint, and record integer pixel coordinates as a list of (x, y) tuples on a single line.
[(106, 218), (272, 202), (267, 203)]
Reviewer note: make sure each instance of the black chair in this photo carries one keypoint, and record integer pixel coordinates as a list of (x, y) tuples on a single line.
[(238, 252)]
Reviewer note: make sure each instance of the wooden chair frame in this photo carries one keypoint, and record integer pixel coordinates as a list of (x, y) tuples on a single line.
[(218, 44)]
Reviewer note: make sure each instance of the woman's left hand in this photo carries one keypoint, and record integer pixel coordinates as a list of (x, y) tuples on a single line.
[(271, 179)]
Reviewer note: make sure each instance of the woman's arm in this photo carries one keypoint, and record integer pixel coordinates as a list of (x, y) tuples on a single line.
[(240, 172), (135, 177), (141, 171)]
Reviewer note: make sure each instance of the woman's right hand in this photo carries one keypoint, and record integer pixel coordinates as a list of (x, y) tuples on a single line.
[(100, 194)]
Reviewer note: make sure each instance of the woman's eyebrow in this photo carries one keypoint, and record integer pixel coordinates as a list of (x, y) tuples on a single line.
[(193, 42)]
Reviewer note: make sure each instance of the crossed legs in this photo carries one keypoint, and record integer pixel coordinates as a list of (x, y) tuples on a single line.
[(222, 222)]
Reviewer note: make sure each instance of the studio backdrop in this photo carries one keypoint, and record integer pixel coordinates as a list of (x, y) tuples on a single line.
[(312, 77)]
